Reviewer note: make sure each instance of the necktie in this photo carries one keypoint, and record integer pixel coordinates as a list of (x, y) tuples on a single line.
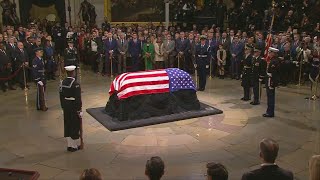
[(121, 42)]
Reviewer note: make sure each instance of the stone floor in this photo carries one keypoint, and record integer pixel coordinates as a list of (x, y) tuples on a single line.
[(33, 140)]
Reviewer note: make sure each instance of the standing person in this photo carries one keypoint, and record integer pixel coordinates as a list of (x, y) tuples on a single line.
[(70, 99), (11, 50), (49, 56), (314, 170), (95, 48), (158, 48), (246, 73), (169, 52), (221, 58), (134, 50), (122, 45), (5, 67), (236, 54), (182, 48), (71, 56), (272, 80), (148, 51), (22, 60), (202, 62), (110, 47), (259, 67), (40, 79)]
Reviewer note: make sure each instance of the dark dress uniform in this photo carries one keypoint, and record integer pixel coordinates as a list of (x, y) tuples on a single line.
[(202, 61), (70, 99), (40, 80), (246, 77), (259, 67), (71, 58), (271, 83), (314, 76)]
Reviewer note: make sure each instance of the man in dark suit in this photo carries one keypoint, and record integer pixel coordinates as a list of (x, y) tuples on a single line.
[(134, 50), (22, 61), (110, 47), (182, 48), (95, 48), (269, 169), (11, 52), (236, 50), (5, 68)]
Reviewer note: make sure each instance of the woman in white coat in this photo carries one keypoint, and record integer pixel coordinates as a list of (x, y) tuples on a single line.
[(159, 52)]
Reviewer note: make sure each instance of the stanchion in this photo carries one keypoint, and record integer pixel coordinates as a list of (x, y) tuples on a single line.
[(111, 72), (196, 74), (179, 60), (210, 70), (25, 84)]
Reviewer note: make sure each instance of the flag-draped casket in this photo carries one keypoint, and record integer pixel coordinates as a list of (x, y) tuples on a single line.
[(138, 95)]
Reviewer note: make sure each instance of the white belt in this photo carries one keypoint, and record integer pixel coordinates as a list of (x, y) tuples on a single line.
[(202, 55), (269, 74), (70, 98)]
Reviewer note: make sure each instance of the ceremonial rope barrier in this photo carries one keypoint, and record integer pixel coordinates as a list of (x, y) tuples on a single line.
[(12, 75)]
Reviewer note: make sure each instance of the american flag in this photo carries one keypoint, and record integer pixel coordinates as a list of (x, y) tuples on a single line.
[(151, 82), (268, 44)]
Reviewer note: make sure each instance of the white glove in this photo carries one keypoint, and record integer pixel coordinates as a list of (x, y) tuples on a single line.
[(40, 83), (81, 114), (195, 65), (207, 66), (260, 80)]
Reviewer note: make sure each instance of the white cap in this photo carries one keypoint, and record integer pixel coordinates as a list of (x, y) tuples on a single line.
[(70, 68), (271, 49)]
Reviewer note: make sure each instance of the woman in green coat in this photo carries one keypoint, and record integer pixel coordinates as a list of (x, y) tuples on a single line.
[(148, 54)]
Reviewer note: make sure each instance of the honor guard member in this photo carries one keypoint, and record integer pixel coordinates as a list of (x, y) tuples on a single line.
[(39, 78), (272, 80), (71, 55), (70, 99), (314, 74), (246, 73), (259, 67), (202, 62)]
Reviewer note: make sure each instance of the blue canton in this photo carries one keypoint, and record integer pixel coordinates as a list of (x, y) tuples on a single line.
[(179, 79)]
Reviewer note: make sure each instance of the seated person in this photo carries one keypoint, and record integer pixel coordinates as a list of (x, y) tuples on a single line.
[(216, 171), (154, 168), (90, 174), (269, 169)]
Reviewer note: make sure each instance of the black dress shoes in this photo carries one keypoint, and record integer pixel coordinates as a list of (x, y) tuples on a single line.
[(11, 88), (200, 89), (254, 103), (70, 149), (268, 115), (244, 99)]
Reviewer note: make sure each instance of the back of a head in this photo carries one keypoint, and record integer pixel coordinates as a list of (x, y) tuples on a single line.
[(154, 168), (90, 174), (217, 171), (314, 167), (269, 149)]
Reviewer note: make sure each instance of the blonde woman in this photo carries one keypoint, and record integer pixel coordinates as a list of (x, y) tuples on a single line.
[(314, 167), (159, 52)]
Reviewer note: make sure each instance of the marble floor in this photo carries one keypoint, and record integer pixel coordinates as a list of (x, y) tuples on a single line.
[(33, 140)]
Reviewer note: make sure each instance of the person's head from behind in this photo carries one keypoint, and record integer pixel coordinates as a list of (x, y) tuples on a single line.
[(90, 174), (216, 171), (314, 167), (154, 168), (269, 150)]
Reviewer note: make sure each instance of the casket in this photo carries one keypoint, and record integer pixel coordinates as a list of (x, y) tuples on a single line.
[(145, 94)]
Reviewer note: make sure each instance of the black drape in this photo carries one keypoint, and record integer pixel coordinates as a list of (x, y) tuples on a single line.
[(26, 5)]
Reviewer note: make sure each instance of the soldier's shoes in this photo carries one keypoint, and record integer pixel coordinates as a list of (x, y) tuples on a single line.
[(244, 99), (200, 89), (268, 115), (45, 109), (70, 149), (254, 103)]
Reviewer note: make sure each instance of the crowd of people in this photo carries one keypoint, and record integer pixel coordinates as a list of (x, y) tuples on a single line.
[(269, 148)]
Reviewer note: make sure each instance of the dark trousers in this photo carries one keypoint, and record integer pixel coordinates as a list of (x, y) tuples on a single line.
[(202, 72), (256, 90), (235, 67), (41, 103), (246, 92), (135, 63), (270, 101)]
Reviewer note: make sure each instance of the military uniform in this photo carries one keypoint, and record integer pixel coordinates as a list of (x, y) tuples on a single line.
[(202, 63), (70, 98), (246, 75), (272, 82), (258, 74), (38, 69), (314, 76), (71, 58)]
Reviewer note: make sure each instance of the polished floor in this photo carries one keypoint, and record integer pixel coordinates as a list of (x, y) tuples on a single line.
[(33, 140)]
